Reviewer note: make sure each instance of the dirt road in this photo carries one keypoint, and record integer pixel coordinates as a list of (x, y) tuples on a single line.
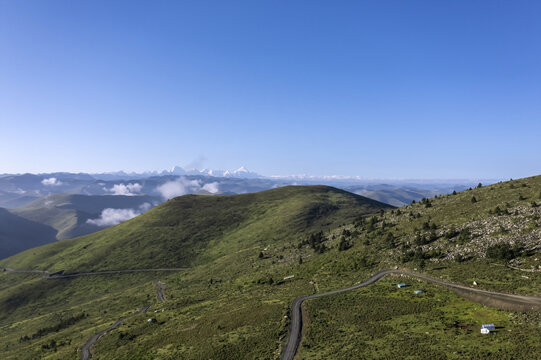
[(86, 347), (489, 298)]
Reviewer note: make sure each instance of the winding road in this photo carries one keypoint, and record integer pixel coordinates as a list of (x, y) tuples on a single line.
[(86, 347), (160, 291), (86, 354), (490, 298), (482, 296)]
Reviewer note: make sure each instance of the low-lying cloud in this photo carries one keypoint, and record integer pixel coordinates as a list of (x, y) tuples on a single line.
[(211, 187), (178, 187), (110, 216), (52, 181), (126, 189), (183, 186)]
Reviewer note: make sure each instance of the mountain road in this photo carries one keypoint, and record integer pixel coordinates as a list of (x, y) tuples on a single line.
[(490, 298)]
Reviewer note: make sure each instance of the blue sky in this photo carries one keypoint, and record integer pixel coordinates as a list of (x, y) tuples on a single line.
[(380, 89)]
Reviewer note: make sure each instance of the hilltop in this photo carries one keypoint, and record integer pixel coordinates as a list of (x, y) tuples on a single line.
[(192, 229)]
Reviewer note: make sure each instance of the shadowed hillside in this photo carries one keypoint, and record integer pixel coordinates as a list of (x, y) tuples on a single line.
[(18, 234), (68, 214)]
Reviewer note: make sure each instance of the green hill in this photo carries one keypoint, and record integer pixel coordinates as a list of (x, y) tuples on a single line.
[(191, 229), (249, 256)]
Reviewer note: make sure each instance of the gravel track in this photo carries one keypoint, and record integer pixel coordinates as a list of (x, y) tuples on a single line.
[(490, 298)]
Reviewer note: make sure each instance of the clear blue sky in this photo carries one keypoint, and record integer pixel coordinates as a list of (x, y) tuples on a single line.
[(381, 89)]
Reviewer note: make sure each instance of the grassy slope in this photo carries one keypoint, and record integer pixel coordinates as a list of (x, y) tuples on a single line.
[(192, 229), (232, 302), (226, 276), (387, 323), (383, 322)]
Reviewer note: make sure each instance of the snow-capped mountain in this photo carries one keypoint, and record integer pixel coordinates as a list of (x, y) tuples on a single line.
[(241, 172)]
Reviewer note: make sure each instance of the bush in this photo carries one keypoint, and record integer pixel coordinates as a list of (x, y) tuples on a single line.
[(344, 244), (502, 251)]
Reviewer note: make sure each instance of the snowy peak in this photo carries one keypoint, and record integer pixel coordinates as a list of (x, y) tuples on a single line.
[(177, 170), (241, 172)]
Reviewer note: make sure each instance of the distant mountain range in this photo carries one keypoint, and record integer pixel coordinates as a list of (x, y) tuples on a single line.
[(20, 189), (58, 206)]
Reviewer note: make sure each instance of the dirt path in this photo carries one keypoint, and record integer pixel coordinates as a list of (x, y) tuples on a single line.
[(61, 275), (489, 298), (161, 290), (86, 347)]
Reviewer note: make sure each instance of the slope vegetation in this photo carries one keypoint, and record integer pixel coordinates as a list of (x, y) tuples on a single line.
[(191, 229), (250, 256)]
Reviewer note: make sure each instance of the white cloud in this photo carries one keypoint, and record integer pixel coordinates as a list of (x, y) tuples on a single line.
[(211, 187), (51, 182), (179, 187), (145, 207), (126, 190), (110, 216)]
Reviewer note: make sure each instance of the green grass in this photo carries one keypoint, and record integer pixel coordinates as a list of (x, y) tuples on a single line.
[(233, 303), (192, 230), (384, 322)]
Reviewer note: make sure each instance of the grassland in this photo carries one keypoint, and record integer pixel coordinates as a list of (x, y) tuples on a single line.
[(234, 300), (384, 322)]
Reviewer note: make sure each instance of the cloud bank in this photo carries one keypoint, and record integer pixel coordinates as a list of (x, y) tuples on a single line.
[(183, 186), (51, 182), (110, 216), (126, 190), (211, 187)]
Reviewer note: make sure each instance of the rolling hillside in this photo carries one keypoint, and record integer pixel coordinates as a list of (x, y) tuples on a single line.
[(193, 229), (248, 256)]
